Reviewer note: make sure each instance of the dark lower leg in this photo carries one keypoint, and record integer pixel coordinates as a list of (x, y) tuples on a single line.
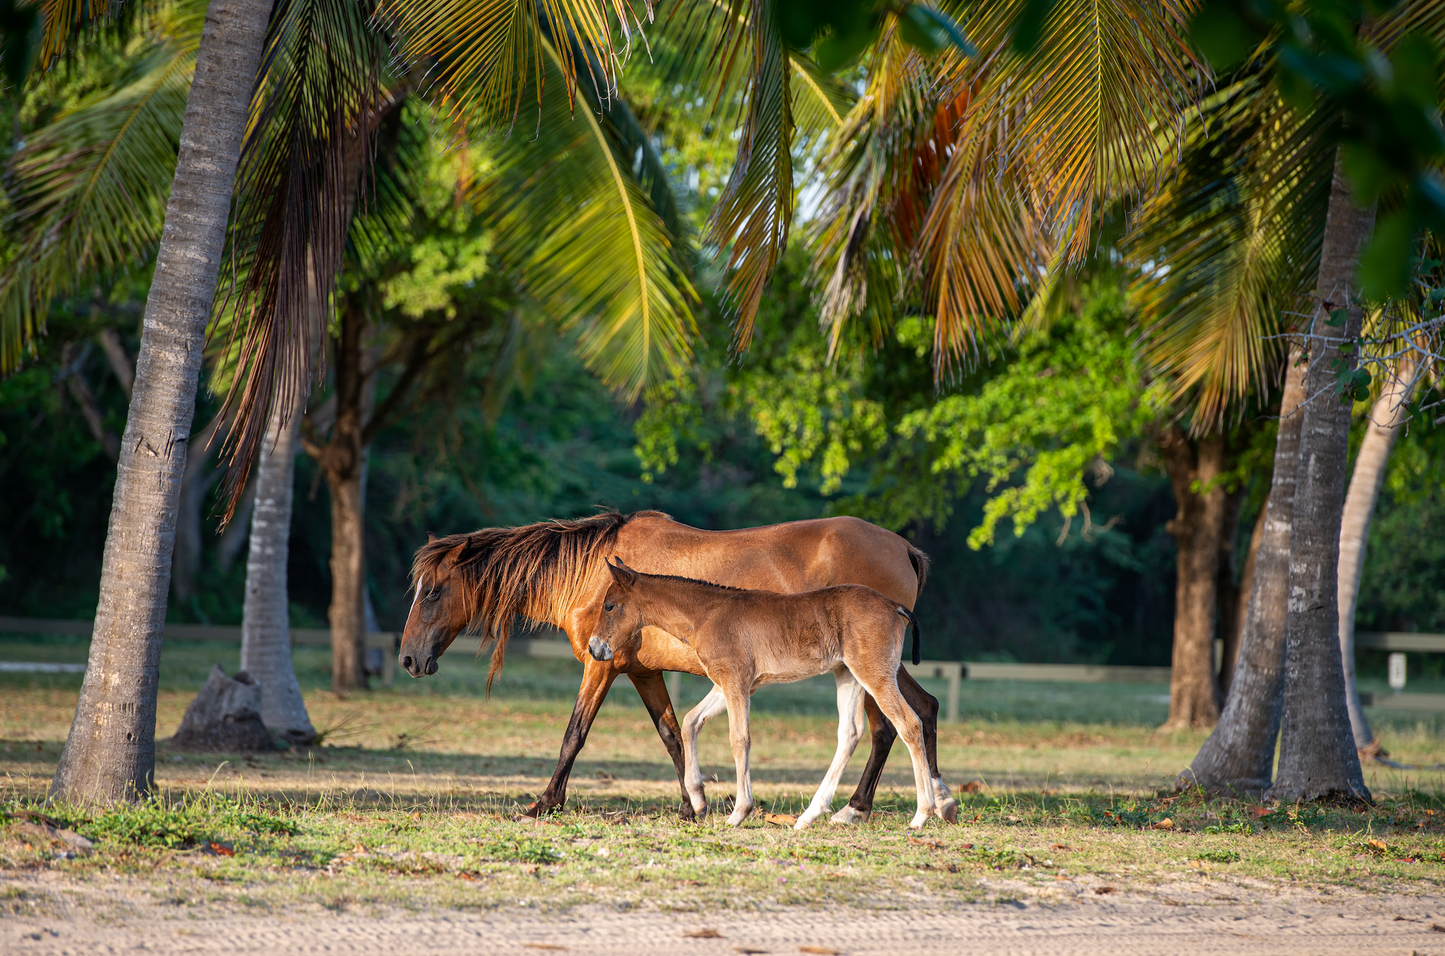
[(597, 678), (883, 737), (652, 688), (925, 705)]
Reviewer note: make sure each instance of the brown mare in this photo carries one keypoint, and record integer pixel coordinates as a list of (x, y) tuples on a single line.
[(554, 572), (746, 639)]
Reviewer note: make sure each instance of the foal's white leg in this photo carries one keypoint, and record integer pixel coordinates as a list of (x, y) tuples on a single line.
[(910, 728), (850, 731), (710, 706), (739, 702)]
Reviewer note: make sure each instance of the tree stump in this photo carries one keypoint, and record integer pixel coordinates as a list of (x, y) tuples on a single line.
[(225, 717)]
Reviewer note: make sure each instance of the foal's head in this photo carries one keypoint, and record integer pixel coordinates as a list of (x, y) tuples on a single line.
[(620, 623), (439, 612)]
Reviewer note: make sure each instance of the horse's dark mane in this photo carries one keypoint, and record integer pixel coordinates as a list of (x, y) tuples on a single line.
[(534, 571)]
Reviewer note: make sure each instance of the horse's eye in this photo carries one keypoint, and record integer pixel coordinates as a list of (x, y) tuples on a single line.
[(433, 594), (609, 608)]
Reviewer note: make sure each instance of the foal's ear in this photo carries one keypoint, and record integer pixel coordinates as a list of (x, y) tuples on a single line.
[(621, 573), (431, 538)]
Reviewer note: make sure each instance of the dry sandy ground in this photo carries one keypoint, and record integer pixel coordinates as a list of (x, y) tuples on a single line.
[(122, 917)]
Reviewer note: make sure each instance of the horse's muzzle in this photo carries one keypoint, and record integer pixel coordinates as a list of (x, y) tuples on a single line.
[(416, 667), (599, 649)]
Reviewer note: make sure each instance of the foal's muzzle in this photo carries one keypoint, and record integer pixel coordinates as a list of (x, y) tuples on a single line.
[(599, 649)]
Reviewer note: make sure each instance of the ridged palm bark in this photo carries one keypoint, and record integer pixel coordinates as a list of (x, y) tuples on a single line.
[(1386, 417), (1317, 757), (1238, 758), (110, 753), (266, 624)]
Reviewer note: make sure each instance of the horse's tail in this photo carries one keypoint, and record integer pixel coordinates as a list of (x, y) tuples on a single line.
[(919, 560), (907, 615)]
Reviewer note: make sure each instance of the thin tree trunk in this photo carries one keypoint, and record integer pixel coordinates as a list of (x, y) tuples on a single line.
[(1317, 757), (196, 482), (341, 462), (1386, 417), (120, 363), (110, 753), (265, 628), (1238, 758), (1197, 527), (1228, 587), (1235, 633)]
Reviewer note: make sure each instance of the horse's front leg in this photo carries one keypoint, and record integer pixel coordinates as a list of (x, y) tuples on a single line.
[(652, 688), (707, 708), (739, 729), (597, 678), (860, 806)]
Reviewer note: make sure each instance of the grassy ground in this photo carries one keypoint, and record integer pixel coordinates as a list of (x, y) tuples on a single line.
[(411, 802)]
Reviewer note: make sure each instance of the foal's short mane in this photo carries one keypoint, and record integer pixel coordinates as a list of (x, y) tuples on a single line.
[(682, 580), (536, 571)]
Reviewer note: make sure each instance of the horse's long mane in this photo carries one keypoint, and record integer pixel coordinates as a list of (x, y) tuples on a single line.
[(535, 571)]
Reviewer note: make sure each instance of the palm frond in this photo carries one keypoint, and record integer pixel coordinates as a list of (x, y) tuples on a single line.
[(1230, 244), (90, 189), (318, 100), (589, 247)]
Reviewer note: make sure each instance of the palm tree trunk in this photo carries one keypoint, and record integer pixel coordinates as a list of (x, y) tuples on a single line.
[(110, 753), (265, 628), (1238, 758), (1317, 757), (1386, 417), (1197, 527)]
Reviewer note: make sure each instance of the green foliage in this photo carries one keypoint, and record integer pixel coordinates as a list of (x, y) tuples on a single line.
[(161, 822)]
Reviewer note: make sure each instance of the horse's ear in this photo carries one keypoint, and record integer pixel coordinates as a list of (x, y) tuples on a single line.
[(621, 573), (431, 538)]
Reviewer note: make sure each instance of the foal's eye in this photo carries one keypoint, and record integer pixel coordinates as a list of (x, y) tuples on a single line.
[(432, 594), (609, 608)]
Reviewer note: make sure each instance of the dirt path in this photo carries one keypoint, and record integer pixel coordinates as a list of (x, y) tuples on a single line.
[(87, 920)]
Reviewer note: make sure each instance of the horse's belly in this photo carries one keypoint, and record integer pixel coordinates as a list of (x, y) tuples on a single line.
[(795, 671)]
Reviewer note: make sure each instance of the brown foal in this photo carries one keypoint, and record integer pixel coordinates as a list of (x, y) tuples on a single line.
[(552, 573), (746, 639)]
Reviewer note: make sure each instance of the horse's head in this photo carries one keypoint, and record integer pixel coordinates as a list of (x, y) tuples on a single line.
[(620, 623), (439, 611)]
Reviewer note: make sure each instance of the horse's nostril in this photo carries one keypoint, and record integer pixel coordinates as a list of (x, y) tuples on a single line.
[(406, 662), (431, 664)]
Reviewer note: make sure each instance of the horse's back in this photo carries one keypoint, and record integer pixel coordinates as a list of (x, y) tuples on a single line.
[(790, 557)]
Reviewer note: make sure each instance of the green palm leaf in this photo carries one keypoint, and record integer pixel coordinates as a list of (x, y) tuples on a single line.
[(589, 247), (90, 188)]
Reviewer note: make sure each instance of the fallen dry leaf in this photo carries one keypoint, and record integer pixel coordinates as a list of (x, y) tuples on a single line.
[(781, 819), (1436, 927), (220, 849), (973, 786), (928, 843), (702, 934), (356, 849), (1258, 812), (966, 846), (1104, 889), (468, 876), (820, 950), (1060, 846), (1164, 824), (745, 950), (1378, 845)]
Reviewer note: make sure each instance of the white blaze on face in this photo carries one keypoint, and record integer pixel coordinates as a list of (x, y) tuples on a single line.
[(417, 597)]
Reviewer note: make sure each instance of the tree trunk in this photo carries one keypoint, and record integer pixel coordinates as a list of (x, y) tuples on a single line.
[(341, 462), (1235, 632), (265, 628), (110, 753), (1317, 757), (1197, 527), (1238, 757), (1386, 417), (196, 482)]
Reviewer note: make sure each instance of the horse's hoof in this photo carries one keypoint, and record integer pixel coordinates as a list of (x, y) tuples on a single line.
[(805, 821), (851, 815), (687, 813), (948, 811), (919, 819)]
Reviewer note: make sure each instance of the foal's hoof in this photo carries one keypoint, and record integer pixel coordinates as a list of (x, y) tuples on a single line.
[(948, 811), (850, 815)]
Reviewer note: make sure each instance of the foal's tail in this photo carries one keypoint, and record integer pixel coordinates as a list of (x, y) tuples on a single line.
[(907, 615)]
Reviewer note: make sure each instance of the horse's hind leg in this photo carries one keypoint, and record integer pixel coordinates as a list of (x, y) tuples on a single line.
[(910, 728), (860, 806), (597, 678), (710, 706), (850, 731), (925, 705), (652, 688)]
